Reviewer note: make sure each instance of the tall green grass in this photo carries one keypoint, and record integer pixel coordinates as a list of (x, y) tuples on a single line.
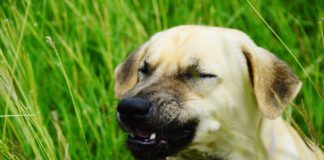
[(57, 62)]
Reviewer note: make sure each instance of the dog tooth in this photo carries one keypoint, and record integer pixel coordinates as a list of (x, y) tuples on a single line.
[(132, 135), (153, 135)]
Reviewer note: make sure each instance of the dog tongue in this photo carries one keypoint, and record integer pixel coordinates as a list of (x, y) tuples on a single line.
[(142, 134)]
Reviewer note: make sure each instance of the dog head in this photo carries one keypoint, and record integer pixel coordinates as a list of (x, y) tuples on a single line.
[(185, 82)]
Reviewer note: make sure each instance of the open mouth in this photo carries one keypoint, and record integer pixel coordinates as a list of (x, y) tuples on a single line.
[(155, 145), (142, 138), (152, 141), (150, 138), (148, 145)]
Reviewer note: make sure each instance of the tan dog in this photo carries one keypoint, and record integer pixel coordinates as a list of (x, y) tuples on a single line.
[(196, 92)]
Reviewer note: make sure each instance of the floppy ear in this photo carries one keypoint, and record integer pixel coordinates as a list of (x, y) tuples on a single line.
[(126, 72), (274, 84)]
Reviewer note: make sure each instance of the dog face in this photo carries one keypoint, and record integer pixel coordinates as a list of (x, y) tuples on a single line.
[(185, 84)]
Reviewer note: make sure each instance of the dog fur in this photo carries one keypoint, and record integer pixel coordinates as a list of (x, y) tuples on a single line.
[(238, 102)]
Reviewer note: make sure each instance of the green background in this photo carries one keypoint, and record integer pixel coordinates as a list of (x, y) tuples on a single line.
[(56, 93)]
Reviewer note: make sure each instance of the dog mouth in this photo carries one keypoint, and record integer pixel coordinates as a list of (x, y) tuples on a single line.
[(157, 133), (160, 144), (150, 138), (142, 138)]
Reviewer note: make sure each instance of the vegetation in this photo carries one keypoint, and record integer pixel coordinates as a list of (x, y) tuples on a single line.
[(57, 61)]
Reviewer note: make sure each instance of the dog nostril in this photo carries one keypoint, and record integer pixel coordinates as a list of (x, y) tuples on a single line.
[(134, 107)]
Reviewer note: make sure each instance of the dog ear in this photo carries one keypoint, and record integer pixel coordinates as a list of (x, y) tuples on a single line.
[(126, 72), (274, 84)]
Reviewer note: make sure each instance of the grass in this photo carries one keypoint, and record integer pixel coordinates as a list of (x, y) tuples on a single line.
[(57, 62)]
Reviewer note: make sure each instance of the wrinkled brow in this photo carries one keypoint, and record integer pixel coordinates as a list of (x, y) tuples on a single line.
[(148, 65), (192, 66)]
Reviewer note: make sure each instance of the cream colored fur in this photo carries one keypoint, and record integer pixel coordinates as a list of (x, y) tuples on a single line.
[(238, 119)]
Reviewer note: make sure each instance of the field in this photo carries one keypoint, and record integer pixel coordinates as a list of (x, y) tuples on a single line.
[(57, 61)]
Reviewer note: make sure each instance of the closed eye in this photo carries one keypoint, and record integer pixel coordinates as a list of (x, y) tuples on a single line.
[(198, 75), (144, 69), (193, 72), (207, 75)]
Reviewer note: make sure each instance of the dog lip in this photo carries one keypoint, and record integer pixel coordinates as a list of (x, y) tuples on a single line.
[(142, 141), (142, 138), (142, 134), (147, 142)]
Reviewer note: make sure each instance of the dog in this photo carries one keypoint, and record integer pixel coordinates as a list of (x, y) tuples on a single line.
[(198, 92)]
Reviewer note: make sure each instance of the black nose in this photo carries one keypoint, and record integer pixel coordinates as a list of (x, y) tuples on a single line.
[(134, 111)]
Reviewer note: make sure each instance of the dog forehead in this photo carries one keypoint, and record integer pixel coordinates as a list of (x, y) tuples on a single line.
[(187, 45)]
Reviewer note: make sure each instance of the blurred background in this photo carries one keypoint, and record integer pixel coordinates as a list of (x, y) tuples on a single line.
[(57, 61)]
